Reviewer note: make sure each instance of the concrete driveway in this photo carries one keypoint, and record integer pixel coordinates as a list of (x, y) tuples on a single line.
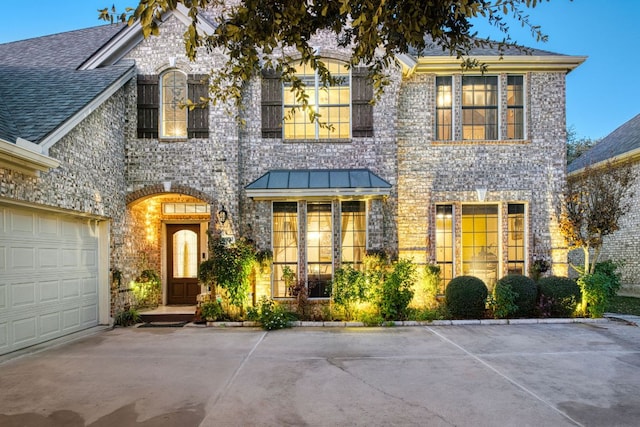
[(511, 375)]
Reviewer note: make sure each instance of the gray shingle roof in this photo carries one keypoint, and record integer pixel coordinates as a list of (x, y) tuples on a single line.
[(622, 140), (433, 49), (40, 86)]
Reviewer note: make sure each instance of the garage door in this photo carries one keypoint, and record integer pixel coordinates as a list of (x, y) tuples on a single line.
[(48, 276)]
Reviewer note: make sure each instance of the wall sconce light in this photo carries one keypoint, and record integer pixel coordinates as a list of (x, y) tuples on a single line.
[(482, 193), (222, 215), (166, 185)]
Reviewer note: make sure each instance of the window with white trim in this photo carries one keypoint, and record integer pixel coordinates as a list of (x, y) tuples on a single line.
[(481, 112)]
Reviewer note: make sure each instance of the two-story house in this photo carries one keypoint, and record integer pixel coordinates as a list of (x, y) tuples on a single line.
[(102, 173)]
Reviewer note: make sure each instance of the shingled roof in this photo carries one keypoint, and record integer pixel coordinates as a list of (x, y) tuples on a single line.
[(40, 85), (622, 140)]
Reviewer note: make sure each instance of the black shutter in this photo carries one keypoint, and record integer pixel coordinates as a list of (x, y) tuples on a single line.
[(198, 118), (271, 105), (361, 108), (148, 105)]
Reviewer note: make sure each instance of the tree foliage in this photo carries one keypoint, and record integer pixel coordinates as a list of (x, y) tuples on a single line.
[(595, 200), (277, 35), (577, 146)]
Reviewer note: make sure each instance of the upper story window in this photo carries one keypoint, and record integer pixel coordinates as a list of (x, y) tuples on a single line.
[(344, 107), (515, 107), (477, 112), (173, 122), (479, 107), (444, 112), (160, 111), (332, 103)]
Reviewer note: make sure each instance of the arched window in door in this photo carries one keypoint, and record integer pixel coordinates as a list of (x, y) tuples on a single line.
[(185, 254)]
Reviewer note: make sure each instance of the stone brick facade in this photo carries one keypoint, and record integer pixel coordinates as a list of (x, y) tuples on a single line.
[(109, 172)]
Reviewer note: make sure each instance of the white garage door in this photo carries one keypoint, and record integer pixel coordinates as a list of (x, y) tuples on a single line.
[(48, 276)]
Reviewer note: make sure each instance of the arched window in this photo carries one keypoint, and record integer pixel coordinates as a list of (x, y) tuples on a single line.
[(173, 95)]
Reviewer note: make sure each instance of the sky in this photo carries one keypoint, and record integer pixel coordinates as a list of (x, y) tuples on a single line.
[(602, 93)]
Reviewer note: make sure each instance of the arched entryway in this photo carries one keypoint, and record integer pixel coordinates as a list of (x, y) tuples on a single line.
[(167, 232)]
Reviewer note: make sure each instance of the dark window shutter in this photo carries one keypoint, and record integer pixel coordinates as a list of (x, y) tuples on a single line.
[(271, 105), (148, 105), (198, 118), (361, 108)]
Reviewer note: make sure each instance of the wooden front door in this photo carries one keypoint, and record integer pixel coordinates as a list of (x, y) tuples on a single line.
[(183, 249)]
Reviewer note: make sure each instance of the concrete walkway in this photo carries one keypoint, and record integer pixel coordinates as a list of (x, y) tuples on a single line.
[(466, 375)]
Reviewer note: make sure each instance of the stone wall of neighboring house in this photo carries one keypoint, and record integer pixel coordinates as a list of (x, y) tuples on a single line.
[(623, 245), (207, 165), (530, 171)]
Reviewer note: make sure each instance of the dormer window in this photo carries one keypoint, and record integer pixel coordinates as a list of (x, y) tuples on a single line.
[(173, 114)]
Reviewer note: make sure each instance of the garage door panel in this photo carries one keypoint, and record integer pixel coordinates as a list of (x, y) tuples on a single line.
[(24, 330), (90, 286), (70, 288), (89, 314), (3, 259), (48, 226), (21, 223), (22, 258), (4, 336), (47, 258), (23, 294), (71, 319), (3, 297), (70, 257), (50, 325), (49, 291)]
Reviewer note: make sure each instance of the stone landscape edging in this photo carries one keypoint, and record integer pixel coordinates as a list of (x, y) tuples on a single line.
[(455, 322)]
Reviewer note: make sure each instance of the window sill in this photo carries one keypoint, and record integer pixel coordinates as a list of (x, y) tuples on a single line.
[(483, 142), (318, 141), (170, 140)]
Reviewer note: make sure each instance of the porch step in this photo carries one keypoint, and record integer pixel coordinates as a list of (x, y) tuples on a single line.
[(167, 317)]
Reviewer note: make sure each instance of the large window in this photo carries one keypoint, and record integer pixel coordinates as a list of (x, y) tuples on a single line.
[(479, 107), (480, 249), (319, 249), (354, 233), (333, 104), (285, 246), (173, 114)]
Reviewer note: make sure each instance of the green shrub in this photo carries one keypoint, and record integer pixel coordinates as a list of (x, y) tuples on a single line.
[(127, 317), (503, 301), (211, 311), (465, 297), (146, 289), (596, 289), (397, 291), (609, 268), (526, 292), (559, 295), (347, 289), (273, 316)]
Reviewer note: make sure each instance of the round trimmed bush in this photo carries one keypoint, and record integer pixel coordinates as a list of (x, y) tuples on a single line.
[(559, 294), (465, 297), (526, 292)]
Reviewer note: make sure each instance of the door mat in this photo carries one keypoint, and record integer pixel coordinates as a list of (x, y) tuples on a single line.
[(162, 325)]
